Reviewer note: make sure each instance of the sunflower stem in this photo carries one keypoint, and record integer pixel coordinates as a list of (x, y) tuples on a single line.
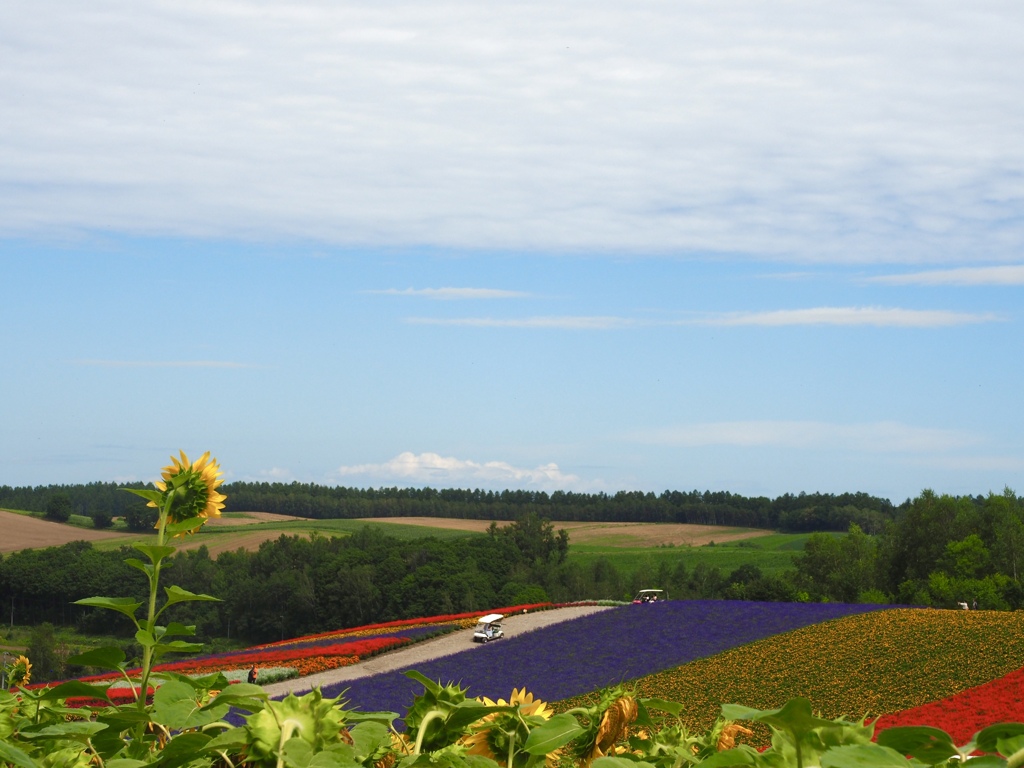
[(422, 730), (154, 581)]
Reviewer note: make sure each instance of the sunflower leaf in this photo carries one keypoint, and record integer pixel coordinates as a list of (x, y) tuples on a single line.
[(988, 738), (124, 605), (430, 685), (1009, 747), (927, 744), (385, 718), (174, 629), (156, 497), (368, 736), (672, 707), (558, 731), (466, 713), (179, 646), (11, 754), (104, 658), (76, 688), (182, 749), (794, 716), (76, 730), (146, 568), (176, 594), (863, 756), (153, 552), (145, 638), (730, 758), (620, 762)]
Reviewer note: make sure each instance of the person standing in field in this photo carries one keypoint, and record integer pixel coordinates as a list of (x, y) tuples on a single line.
[(253, 674)]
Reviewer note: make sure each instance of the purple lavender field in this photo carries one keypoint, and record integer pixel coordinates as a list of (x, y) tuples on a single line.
[(602, 649)]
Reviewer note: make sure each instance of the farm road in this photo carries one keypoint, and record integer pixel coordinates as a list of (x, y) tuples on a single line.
[(428, 650)]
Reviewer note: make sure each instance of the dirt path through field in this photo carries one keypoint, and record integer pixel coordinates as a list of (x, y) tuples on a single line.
[(607, 534), (429, 650)]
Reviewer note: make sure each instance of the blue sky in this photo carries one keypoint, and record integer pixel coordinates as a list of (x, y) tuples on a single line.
[(723, 246)]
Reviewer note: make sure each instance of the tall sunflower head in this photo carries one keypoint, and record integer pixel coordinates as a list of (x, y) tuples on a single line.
[(20, 672), (191, 487)]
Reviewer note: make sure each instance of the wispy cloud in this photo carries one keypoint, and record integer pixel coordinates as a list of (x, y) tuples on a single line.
[(643, 127), (986, 463), (449, 294), (1003, 275), (841, 316), (164, 364), (564, 322), (436, 470), (875, 316), (873, 437)]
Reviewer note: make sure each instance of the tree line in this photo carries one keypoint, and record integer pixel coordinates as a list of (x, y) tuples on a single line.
[(802, 512)]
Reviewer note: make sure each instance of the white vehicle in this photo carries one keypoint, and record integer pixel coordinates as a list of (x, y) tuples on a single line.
[(488, 628), (650, 596)]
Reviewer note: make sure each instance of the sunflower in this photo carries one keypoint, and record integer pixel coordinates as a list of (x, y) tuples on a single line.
[(614, 726), (492, 734), (606, 724), (727, 737), (191, 489), (20, 672)]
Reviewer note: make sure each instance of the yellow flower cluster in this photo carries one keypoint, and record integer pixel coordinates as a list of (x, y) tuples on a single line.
[(871, 663)]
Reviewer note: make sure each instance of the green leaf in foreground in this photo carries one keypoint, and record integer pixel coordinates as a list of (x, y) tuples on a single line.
[(556, 732), (11, 754), (927, 744), (863, 756)]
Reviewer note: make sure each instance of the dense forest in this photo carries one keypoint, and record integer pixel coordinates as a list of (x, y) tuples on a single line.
[(797, 513), (940, 550)]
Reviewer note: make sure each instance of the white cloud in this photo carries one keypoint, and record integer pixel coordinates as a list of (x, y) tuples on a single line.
[(866, 132), (276, 475), (875, 316), (446, 294), (164, 364), (1011, 274), (874, 437), (446, 471)]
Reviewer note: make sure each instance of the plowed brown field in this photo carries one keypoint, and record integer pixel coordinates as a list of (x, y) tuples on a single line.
[(24, 532)]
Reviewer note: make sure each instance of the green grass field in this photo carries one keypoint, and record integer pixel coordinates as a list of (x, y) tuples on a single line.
[(772, 554)]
